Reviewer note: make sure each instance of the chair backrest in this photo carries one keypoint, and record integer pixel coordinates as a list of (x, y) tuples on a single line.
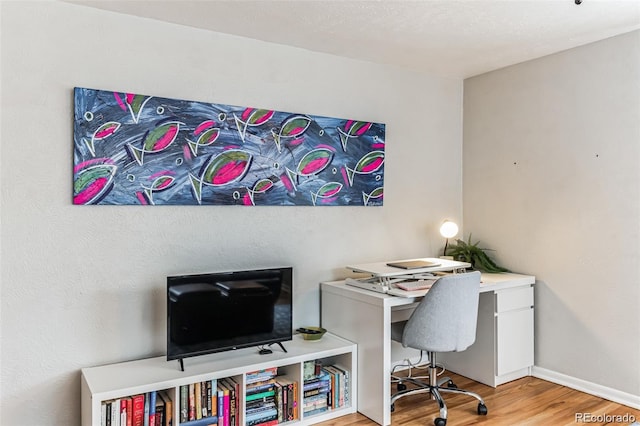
[(445, 320)]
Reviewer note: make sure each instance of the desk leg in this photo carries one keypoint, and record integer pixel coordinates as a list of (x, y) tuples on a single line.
[(369, 326)]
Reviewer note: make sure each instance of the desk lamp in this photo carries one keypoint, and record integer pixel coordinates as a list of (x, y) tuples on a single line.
[(448, 229)]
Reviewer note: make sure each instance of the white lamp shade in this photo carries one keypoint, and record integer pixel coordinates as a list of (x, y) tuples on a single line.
[(448, 229)]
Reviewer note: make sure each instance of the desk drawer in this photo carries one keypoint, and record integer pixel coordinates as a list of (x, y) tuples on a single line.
[(514, 298)]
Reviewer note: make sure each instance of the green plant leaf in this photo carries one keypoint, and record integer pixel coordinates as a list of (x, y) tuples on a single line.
[(471, 253)]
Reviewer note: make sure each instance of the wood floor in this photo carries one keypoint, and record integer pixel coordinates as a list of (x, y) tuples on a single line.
[(525, 402)]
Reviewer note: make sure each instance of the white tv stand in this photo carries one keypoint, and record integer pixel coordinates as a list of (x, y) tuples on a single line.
[(124, 379)]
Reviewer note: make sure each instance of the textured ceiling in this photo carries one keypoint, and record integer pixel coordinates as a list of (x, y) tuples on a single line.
[(451, 38)]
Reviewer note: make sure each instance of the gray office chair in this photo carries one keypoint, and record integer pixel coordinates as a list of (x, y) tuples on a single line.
[(444, 321)]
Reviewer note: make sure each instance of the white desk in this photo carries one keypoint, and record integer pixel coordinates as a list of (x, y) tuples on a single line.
[(504, 340)]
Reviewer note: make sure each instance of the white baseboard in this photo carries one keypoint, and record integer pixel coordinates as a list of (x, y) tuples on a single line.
[(611, 394)]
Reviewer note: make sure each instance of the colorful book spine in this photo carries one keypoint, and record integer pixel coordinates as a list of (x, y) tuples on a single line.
[(184, 403), (214, 397), (197, 400), (129, 410), (123, 412), (227, 408), (192, 402), (220, 406), (152, 408), (137, 408), (205, 421)]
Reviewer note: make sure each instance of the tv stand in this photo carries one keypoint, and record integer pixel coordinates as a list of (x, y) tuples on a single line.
[(110, 382), (181, 361), (279, 344)]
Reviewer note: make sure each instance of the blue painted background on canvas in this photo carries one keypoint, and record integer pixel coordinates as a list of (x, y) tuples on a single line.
[(147, 150)]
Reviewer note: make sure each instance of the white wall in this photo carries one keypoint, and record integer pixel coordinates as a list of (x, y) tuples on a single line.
[(551, 181), (83, 286)]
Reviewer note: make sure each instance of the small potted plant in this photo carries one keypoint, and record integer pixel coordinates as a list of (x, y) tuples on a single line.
[(471, 253)]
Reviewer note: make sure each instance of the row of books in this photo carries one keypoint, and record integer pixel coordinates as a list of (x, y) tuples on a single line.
[(270, 399), (148, 409), (327, 389), (210, 402)]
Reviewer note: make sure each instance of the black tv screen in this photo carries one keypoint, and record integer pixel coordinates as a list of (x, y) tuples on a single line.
[(221, 311)]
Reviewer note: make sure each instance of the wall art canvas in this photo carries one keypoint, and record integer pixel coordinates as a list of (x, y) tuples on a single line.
[(132, 149)]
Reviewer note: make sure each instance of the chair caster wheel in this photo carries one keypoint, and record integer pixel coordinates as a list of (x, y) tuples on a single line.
[(393, 407), (440, 422), (482, 409), (401, 386), (451, 385)]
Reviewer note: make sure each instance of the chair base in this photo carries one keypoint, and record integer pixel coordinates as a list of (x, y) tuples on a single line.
[(435, 388)]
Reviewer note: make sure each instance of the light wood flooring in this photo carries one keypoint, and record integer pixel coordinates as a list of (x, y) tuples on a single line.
[(524, 402)]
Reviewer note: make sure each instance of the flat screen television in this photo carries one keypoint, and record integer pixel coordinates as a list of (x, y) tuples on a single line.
[(222, 311)]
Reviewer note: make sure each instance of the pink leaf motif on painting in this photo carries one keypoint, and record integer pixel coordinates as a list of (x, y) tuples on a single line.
[(156, 140), (352, 129), (326, 192), (251, 117), (102, 132), (223, 169), (294, 127), (368, 164), (92, 180)]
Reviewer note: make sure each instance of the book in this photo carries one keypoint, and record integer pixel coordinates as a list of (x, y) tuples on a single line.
[(253, 411), (197, 399), (278, 400), (207, 407), (234, 396), (192, 402), (337, 386), (344, 384), (146, 410), (115, 412), (205, 421), (264, 421), (129, 410), (137, 410), (318, 391), (295, 394), (159, 410), (224, 399), (226, 407), (289, 395), (230, 385), (123, 412), (168, 408), (103, 413), (214, 397), (107, 418), (260, 396), (315, 411), (261, 375), (184, 403), (262, 416), (268, 423), (260, 386), (152, 408)]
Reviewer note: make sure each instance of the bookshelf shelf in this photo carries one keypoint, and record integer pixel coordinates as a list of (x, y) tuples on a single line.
[(121, 380)]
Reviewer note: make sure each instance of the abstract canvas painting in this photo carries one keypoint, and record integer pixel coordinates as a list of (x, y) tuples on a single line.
[(132, 149)]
